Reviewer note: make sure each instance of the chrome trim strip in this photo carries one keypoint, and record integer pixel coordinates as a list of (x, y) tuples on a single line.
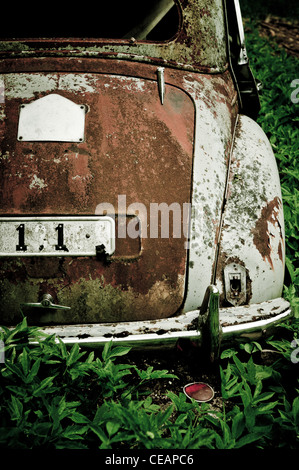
[(160, 333)]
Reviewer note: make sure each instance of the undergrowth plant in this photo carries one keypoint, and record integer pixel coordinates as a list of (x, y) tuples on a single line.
[(56, 397)]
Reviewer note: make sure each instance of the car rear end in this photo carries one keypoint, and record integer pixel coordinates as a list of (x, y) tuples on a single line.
[(116, 183)]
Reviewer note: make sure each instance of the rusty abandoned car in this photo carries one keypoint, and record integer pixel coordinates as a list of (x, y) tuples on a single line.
[(140, 200)]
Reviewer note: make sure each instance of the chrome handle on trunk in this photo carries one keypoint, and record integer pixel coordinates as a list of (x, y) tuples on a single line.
[(46, 302)]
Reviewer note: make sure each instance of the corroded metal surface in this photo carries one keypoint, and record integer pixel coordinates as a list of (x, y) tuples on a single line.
[(216, 110), (131, 143), (200, 43), (253, 223), (246, 321), (161, 139)]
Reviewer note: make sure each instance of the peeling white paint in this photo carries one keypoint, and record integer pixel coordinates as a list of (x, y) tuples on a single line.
[(37, 183), (80, 83), (129, 83), (26, 86), (212, 133), (254, 183), (2, 90)]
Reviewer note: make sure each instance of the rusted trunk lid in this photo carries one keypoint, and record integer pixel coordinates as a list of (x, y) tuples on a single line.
[(133, 159)]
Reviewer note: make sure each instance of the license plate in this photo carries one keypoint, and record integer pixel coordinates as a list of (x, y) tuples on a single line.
[(56, 236)]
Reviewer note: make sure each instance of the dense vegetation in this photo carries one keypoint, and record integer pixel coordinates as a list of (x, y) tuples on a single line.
[(279, 118), (54, 397), (59, 398)]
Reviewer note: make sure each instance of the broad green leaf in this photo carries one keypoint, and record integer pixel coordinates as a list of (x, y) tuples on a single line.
[(250, 417), (251, 368), (90, 358), (112, 427), (25, 361), (264, 396), (63, 349), (119, 351), (99, 432), (239, 365), (257, 391), (105, 351), (79, 418), (162, 418), (16, 408), (17, 390), (227, 353), (238, 425), (45, 383), (248, 439), (219, 442), (15, 369), (295, 410), (74, 432), (34, 370), (74, 355), (265, 408)]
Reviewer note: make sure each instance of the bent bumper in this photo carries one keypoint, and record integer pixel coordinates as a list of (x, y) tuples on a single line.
[(249, 322)]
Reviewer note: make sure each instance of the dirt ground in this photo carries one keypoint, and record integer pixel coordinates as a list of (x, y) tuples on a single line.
[(187, 363), (284, 32), (184, 361)]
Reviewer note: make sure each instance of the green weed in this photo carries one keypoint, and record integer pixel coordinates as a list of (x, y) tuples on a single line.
[(58, 398)]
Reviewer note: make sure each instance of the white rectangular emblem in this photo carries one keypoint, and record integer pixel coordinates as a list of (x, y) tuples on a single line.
[(52, 118)]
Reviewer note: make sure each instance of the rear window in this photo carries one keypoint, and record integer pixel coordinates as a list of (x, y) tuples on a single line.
[(151, 20)]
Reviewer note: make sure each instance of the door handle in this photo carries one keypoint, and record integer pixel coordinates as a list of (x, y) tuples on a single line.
[(46, 302)]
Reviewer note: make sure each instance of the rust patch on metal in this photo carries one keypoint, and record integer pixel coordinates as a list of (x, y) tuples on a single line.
[(262, 233), (199, 43), (132, 145), (280, 252), (45, 268)]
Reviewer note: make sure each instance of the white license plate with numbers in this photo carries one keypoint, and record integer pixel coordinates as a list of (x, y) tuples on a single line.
[(56, 236)]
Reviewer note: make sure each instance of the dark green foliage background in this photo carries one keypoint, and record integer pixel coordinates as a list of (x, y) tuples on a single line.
[(279, 118)]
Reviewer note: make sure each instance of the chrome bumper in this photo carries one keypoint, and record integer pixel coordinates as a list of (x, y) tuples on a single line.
[(210, 325)]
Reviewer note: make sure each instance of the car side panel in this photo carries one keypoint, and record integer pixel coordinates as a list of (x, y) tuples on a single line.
[(253, 224)]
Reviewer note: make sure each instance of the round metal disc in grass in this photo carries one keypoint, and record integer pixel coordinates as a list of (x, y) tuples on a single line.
[(199, 391)]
